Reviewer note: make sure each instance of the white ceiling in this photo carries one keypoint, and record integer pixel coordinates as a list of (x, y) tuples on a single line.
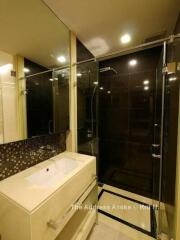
[(30, 29), (99, 24)]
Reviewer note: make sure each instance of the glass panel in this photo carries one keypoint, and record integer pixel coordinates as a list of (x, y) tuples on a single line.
[(126, 118), (156, 160), (87, 86), (47, 97), (167, 206), (61, 100), (24, 51)]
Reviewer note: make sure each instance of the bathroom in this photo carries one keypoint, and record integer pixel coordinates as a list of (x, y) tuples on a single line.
[(89, 120)]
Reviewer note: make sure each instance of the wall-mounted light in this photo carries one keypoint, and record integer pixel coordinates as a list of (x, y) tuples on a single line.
[(95, 83), (79, 74), (61, 59), (172, 79), (5, 68), (108, 92), (146, 82), (133, 62), (101, 88), (51, 79), (146, 88), (126, 38), (26, 70)]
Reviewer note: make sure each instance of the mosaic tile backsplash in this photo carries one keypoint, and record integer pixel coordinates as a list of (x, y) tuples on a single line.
[(18, 156)]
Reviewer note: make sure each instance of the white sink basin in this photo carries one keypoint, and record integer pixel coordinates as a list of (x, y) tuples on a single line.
[(54, 173), (34, 185)]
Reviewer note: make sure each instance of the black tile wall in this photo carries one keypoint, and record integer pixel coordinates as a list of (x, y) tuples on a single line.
[(126, 119), (18, 156)]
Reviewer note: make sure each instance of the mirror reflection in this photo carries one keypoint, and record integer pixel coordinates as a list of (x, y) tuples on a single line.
[(34, 73)]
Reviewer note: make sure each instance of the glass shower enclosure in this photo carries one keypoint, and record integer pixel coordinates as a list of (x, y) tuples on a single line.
[(125, 116)]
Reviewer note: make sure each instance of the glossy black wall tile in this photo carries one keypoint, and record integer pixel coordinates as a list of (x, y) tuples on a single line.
[(18, 156), (39, 100), (126, 121), (87, 80)]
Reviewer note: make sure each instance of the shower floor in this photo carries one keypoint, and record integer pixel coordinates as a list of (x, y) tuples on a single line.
[(127, 179), (124, 215)]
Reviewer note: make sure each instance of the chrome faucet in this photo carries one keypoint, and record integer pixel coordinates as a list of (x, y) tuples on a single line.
[(48, 148)]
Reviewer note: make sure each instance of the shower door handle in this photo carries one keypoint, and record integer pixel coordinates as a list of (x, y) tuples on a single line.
[(156, 156)]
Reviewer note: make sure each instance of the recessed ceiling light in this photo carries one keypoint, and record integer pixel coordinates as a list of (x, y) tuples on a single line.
[(146, 88), (101, 88), (79, 74), (172, 79), (146, 82), (133, 62), (125, 38), (26, 70), (61, 59)]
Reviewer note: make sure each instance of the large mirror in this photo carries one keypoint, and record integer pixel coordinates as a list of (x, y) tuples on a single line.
[(34, 72)]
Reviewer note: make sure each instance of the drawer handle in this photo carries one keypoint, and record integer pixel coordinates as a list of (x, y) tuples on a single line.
[(55, 225), (52, 224)]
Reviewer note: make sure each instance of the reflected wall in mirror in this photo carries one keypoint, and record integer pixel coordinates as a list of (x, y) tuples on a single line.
[(34, 94)]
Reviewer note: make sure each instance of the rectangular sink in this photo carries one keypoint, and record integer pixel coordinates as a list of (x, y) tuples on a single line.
[(54, 173), (37, 202), (31, 187)]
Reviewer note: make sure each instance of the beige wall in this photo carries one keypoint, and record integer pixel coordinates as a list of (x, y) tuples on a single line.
[(72, 134), (8, 86)]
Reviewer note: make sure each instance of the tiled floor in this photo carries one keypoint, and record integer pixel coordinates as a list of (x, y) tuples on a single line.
[(131, 212), (106, 232), (111, 229)]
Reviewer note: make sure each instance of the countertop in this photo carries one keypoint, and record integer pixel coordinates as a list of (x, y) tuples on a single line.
[(29, 195)]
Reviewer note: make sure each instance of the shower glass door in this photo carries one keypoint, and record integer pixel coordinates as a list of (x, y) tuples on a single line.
[(169, 149), (87, 90), (126, 122)]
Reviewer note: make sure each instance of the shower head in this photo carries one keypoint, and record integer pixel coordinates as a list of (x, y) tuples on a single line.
[(106, 69)]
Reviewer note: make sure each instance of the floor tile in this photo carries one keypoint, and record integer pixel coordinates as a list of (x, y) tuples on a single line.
[(129, 211)]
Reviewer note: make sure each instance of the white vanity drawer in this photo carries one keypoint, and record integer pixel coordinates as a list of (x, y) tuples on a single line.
[(56, 207)]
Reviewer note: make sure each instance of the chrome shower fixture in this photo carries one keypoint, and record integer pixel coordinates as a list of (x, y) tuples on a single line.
[(106, 69)]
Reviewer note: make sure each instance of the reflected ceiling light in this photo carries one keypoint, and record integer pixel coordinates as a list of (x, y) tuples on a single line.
[(79, 74), (125, 38), (146, 82), (5, 68), (26, 70), (133, 62), (108, 92), (95, 83), (146, 88), (61, 59), (101, 88), (172, 79)]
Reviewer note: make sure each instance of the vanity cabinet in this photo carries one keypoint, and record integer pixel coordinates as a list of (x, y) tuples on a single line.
[(46, 217)]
